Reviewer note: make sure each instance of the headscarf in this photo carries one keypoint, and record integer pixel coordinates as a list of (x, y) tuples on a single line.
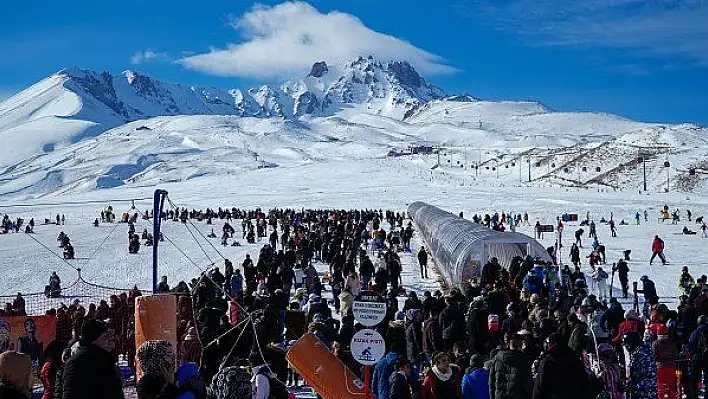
[(156, 358), (15, 369), (231, 383)]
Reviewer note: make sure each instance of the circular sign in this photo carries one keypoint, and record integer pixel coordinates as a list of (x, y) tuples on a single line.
[(367, 347), (369, 308)]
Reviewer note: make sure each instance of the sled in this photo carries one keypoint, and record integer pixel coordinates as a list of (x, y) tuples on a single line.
[(322, 370)]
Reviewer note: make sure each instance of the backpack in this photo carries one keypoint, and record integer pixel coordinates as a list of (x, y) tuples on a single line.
[(278, 390), (493, 322)]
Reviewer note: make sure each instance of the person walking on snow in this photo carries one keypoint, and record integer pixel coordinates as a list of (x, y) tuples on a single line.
[(423, 261), (637, 218), (613, 228), (657, 249)]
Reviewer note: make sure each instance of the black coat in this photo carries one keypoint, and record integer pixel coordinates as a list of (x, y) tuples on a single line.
[(477, 330), (561, 375), (414, 342), (452, 322), (91, 373), (510, 375), (400, 387)]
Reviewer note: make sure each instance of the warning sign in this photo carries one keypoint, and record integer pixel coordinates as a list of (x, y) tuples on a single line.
[(369, 308), (368, 347)]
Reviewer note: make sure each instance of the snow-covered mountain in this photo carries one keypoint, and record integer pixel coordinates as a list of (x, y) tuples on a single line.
[(79, 130)]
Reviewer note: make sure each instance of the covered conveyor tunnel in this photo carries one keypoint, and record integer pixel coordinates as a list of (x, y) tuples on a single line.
[(461, 247)]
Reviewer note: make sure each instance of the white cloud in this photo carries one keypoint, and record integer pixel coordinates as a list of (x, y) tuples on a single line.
[(147, 55), (285, 40), (657, 28)]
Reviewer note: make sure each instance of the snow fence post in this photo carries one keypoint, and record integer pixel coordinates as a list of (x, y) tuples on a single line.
[(159, 201)]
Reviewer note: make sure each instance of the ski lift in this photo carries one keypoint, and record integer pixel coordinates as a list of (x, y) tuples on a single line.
[(667, 164), (597, 169)]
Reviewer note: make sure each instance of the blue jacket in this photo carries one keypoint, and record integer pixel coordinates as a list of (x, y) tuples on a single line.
[(475, 385), (533, 284), (382, 371), (185, 375)]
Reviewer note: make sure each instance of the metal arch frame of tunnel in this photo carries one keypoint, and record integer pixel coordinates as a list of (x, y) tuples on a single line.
[(461, 247)]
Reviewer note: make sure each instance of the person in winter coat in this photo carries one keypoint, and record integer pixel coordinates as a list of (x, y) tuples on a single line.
[(15, 370), (631, 323), (475, 383), (423, 262), (600, 276), (50, 366), (665, 353), (400, 380), (477, 327), (657, 249), (642, 368), (532, 283), (560, 373), (648, 288), (432, 334), (610, 373), (452, 323), (623, 271), (189, 383), (380, 380), (575, 255), (414, 340), (156, 361), (442, 381), (510, 372), (686, 282), (92, 371)]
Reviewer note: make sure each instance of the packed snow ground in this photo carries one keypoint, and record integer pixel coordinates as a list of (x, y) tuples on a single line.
[(387, 184)]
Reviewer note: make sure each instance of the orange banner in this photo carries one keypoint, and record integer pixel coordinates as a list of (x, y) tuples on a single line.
[(27, 334), (156, 319)]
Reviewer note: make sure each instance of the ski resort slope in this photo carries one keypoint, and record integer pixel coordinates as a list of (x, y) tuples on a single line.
[(387, 184)]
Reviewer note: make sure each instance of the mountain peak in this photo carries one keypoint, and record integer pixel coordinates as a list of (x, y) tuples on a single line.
[(318, 69)]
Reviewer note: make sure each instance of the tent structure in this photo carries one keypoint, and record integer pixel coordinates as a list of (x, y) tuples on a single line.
[(461, 247)]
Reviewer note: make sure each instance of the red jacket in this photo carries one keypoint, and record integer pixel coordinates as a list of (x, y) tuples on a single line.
[(628, 326), (657, 245), (48, 375)]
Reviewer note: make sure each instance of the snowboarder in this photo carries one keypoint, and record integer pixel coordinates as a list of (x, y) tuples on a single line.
[(657, 249)]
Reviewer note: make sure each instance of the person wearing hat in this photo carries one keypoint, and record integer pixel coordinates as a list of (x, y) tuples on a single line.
[(686, 282), (631, 323), (91, 372), (475, 383)]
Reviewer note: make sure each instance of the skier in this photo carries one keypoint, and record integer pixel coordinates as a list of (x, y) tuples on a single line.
[(686, 282), (637, 218), (704, 230), (593, 230), (657, 249), (622, 270)]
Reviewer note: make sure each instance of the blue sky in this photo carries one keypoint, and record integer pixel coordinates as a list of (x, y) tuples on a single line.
[(642, 60)]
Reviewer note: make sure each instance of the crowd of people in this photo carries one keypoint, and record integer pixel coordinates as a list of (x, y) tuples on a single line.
[(528, 330)]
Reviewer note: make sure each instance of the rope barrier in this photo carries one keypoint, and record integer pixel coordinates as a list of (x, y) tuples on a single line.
[(52, 252)]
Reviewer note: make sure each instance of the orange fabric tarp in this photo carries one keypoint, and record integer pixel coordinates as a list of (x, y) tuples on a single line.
[(13, 333), (323, 371), (156, 319)]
